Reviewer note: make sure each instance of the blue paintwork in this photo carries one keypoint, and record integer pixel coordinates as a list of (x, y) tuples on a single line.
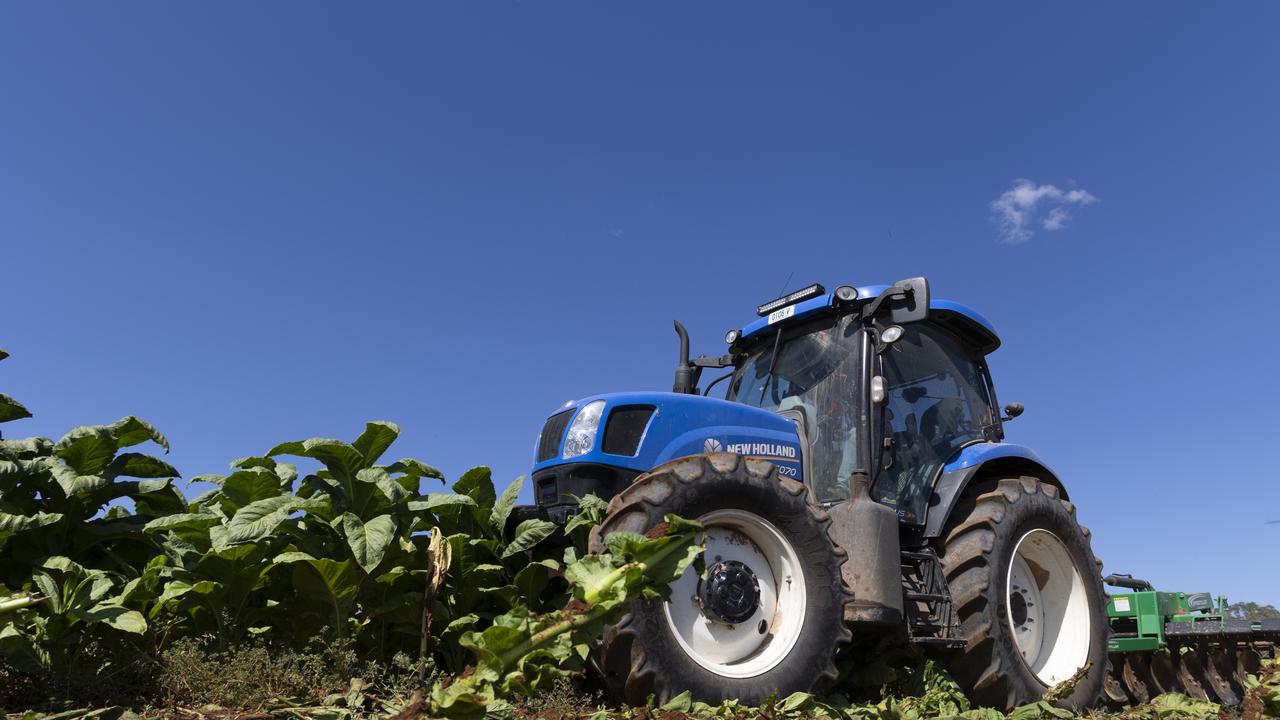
[(979, 453), (682, 426), (812, 307), (685, 425)]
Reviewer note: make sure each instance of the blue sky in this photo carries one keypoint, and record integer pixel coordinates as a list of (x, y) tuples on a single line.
[(252, 222)]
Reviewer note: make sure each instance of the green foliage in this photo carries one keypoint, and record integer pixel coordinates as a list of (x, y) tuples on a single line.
[(521, 653), (358, 589)]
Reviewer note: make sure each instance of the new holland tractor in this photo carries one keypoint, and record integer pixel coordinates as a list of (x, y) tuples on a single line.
[(853, 482)]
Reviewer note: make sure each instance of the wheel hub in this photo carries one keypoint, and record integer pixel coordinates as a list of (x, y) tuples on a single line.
[(1018, 609), (731, 592)]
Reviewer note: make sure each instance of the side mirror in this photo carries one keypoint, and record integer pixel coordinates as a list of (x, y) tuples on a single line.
[(1012, 410), (906, 301)]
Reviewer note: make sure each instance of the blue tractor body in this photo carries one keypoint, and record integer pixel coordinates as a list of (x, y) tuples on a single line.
[(639, 431)]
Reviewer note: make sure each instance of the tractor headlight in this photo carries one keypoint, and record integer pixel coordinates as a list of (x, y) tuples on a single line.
[(582, 433)]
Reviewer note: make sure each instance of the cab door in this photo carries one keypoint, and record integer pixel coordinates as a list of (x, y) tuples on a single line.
[(936, 402)]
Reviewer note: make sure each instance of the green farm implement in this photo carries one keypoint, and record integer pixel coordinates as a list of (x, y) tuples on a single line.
[(1180, 642)]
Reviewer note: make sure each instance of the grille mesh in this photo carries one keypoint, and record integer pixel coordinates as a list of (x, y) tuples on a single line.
[(552, 434)]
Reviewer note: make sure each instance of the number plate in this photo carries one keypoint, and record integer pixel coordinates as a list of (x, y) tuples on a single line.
[(783, 314)]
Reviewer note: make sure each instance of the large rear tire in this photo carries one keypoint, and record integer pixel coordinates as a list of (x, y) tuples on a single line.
[(1028, 596), (768, 617)]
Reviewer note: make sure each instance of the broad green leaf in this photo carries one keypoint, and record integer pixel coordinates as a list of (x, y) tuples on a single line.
[(477, 483), (335, 582), (378, 476), (435, 500), (26, 448), (681, 703), (259, 518), (502, 507), (368, 541), (155, 498), (173, 590), (253, 461), (189, 521), (75, 484), (139, 465), (50, 589), (375, 440), (250, 485), (532, 579), (291, 557), (528, 533), (337, 456), (118, 617), (414, 468), (11, 409), (87, 449), (14, 523), (130, 431)]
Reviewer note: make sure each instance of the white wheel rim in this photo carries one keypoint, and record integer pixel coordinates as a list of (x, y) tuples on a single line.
[(1046, 607), (762, 641)]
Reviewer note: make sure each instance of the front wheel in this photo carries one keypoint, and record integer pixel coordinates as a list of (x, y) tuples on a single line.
[(766, 618), (1028, 596)]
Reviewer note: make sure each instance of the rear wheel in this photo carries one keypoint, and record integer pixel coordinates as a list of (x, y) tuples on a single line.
[(1028, 596), (767, 617)]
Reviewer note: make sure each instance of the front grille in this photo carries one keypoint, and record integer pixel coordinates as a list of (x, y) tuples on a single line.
[(552, 434), (625, 429)]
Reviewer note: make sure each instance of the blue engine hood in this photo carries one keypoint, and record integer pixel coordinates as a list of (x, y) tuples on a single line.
[(685, 425)]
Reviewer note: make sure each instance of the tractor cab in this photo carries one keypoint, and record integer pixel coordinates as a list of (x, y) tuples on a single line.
[(934, 393)]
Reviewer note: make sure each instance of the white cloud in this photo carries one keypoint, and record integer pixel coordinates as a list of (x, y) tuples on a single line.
[(1016, 211)]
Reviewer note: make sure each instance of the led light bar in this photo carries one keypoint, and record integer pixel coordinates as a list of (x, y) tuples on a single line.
[(812, 291)]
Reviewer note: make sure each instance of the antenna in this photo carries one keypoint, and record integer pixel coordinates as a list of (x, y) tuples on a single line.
[(786, 283)]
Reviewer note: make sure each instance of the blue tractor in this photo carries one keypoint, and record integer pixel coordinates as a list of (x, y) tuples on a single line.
[(854, 482)]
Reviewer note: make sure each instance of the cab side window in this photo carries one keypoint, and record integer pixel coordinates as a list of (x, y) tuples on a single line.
[(936, 403)]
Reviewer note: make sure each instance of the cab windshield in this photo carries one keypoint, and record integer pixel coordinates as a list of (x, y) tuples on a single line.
[(814, 373)]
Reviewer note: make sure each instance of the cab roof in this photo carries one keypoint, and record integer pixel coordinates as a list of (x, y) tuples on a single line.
[(966, 322)]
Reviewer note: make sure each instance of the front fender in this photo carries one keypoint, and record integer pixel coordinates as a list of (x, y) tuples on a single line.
[(978, 459)]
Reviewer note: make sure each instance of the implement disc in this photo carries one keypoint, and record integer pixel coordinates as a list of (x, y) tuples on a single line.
[(1137, 677), (1192, 674), (1221, 672), (1113, 683), (1165, 673), (1248, 662)]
